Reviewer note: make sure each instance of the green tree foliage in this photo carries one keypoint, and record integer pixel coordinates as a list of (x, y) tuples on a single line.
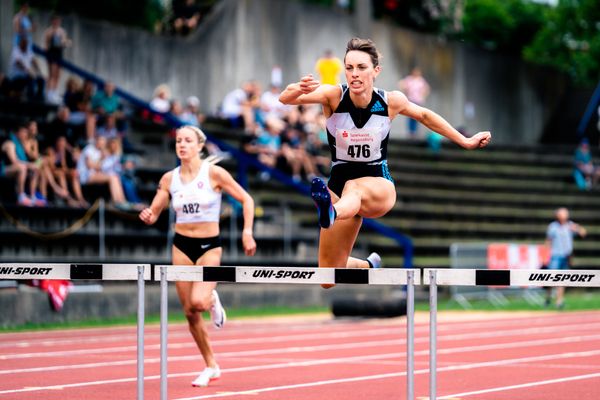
[(140, 13), (570, 40), (507, 25)]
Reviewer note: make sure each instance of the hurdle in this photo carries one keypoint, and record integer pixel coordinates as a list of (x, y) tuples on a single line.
[(287, 275), (486, 277), (101, 272)]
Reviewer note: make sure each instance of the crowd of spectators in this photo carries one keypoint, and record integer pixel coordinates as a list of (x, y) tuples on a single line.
[(52, 163), (291, 138), (85, 140)]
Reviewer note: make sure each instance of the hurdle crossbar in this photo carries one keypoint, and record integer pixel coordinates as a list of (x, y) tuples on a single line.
[(85, 271), (288, 275), (80, 271), (242, 274), (485, 277), (515, 277)]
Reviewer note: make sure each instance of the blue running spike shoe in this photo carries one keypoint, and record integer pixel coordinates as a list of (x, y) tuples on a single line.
[(322, 199)]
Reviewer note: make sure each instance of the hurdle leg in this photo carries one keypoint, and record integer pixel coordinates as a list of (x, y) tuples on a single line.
[(432, 334), (140, 334), (164, 329), (410, 335)]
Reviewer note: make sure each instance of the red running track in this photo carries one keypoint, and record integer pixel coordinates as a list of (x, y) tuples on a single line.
[(526, 357)]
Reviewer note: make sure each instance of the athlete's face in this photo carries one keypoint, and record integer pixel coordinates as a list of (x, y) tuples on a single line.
[(360, 72), (187, 144)]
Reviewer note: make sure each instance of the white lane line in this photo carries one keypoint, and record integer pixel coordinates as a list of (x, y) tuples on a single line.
[(180, 330), (261, 339), (296, 386), (173, 333), (188, 344), (523, 385), (325, 361), (317, 348), (397, 374)]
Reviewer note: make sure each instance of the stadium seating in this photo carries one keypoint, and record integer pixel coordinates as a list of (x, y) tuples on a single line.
[(502, 193)]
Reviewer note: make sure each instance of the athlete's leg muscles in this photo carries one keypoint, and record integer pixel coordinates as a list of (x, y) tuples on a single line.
[(370, 197), (336, 243)]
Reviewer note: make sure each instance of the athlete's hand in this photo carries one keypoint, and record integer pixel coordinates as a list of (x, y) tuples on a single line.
[(249, 244), (479, 140), (148, 216), (308, 84)]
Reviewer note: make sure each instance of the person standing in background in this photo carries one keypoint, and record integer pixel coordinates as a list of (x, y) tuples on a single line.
[(559, 237), (22, 26), (55, 40), (585, 173), (416, 89), (276, 76), (329, 68)]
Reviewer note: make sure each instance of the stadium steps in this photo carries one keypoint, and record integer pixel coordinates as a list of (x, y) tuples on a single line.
[(500, 194)]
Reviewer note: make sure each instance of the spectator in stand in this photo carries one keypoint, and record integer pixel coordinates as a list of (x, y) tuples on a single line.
[(434, 141), (112, 164), (186, 16), (59, 127), (79, 101), (16, 161), (270, 104), (238, 106), (267, 146), (248, 144), (109, 128), (55, 39), (129, 181), (176, 109), (73, 92), (12, 168), (329, 68), (32, 148), (586, 174), (90, 172), (559, 237), (416, 89), (25, 73), (316, 145), (191, 114), (60, 160), (276, 76), (104, 103), (293, 149), (161, 102), (22, 26)]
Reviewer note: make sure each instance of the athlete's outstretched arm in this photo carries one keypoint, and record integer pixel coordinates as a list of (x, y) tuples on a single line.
[(309, 91), (161, 200), (399, 104), (226, 182)]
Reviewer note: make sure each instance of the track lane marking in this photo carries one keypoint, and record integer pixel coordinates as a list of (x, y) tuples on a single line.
[(326, 361), (335, 335), (523, 385)]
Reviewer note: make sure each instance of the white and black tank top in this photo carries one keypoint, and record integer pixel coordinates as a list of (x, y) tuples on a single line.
[(195, 201), (359, 135)]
